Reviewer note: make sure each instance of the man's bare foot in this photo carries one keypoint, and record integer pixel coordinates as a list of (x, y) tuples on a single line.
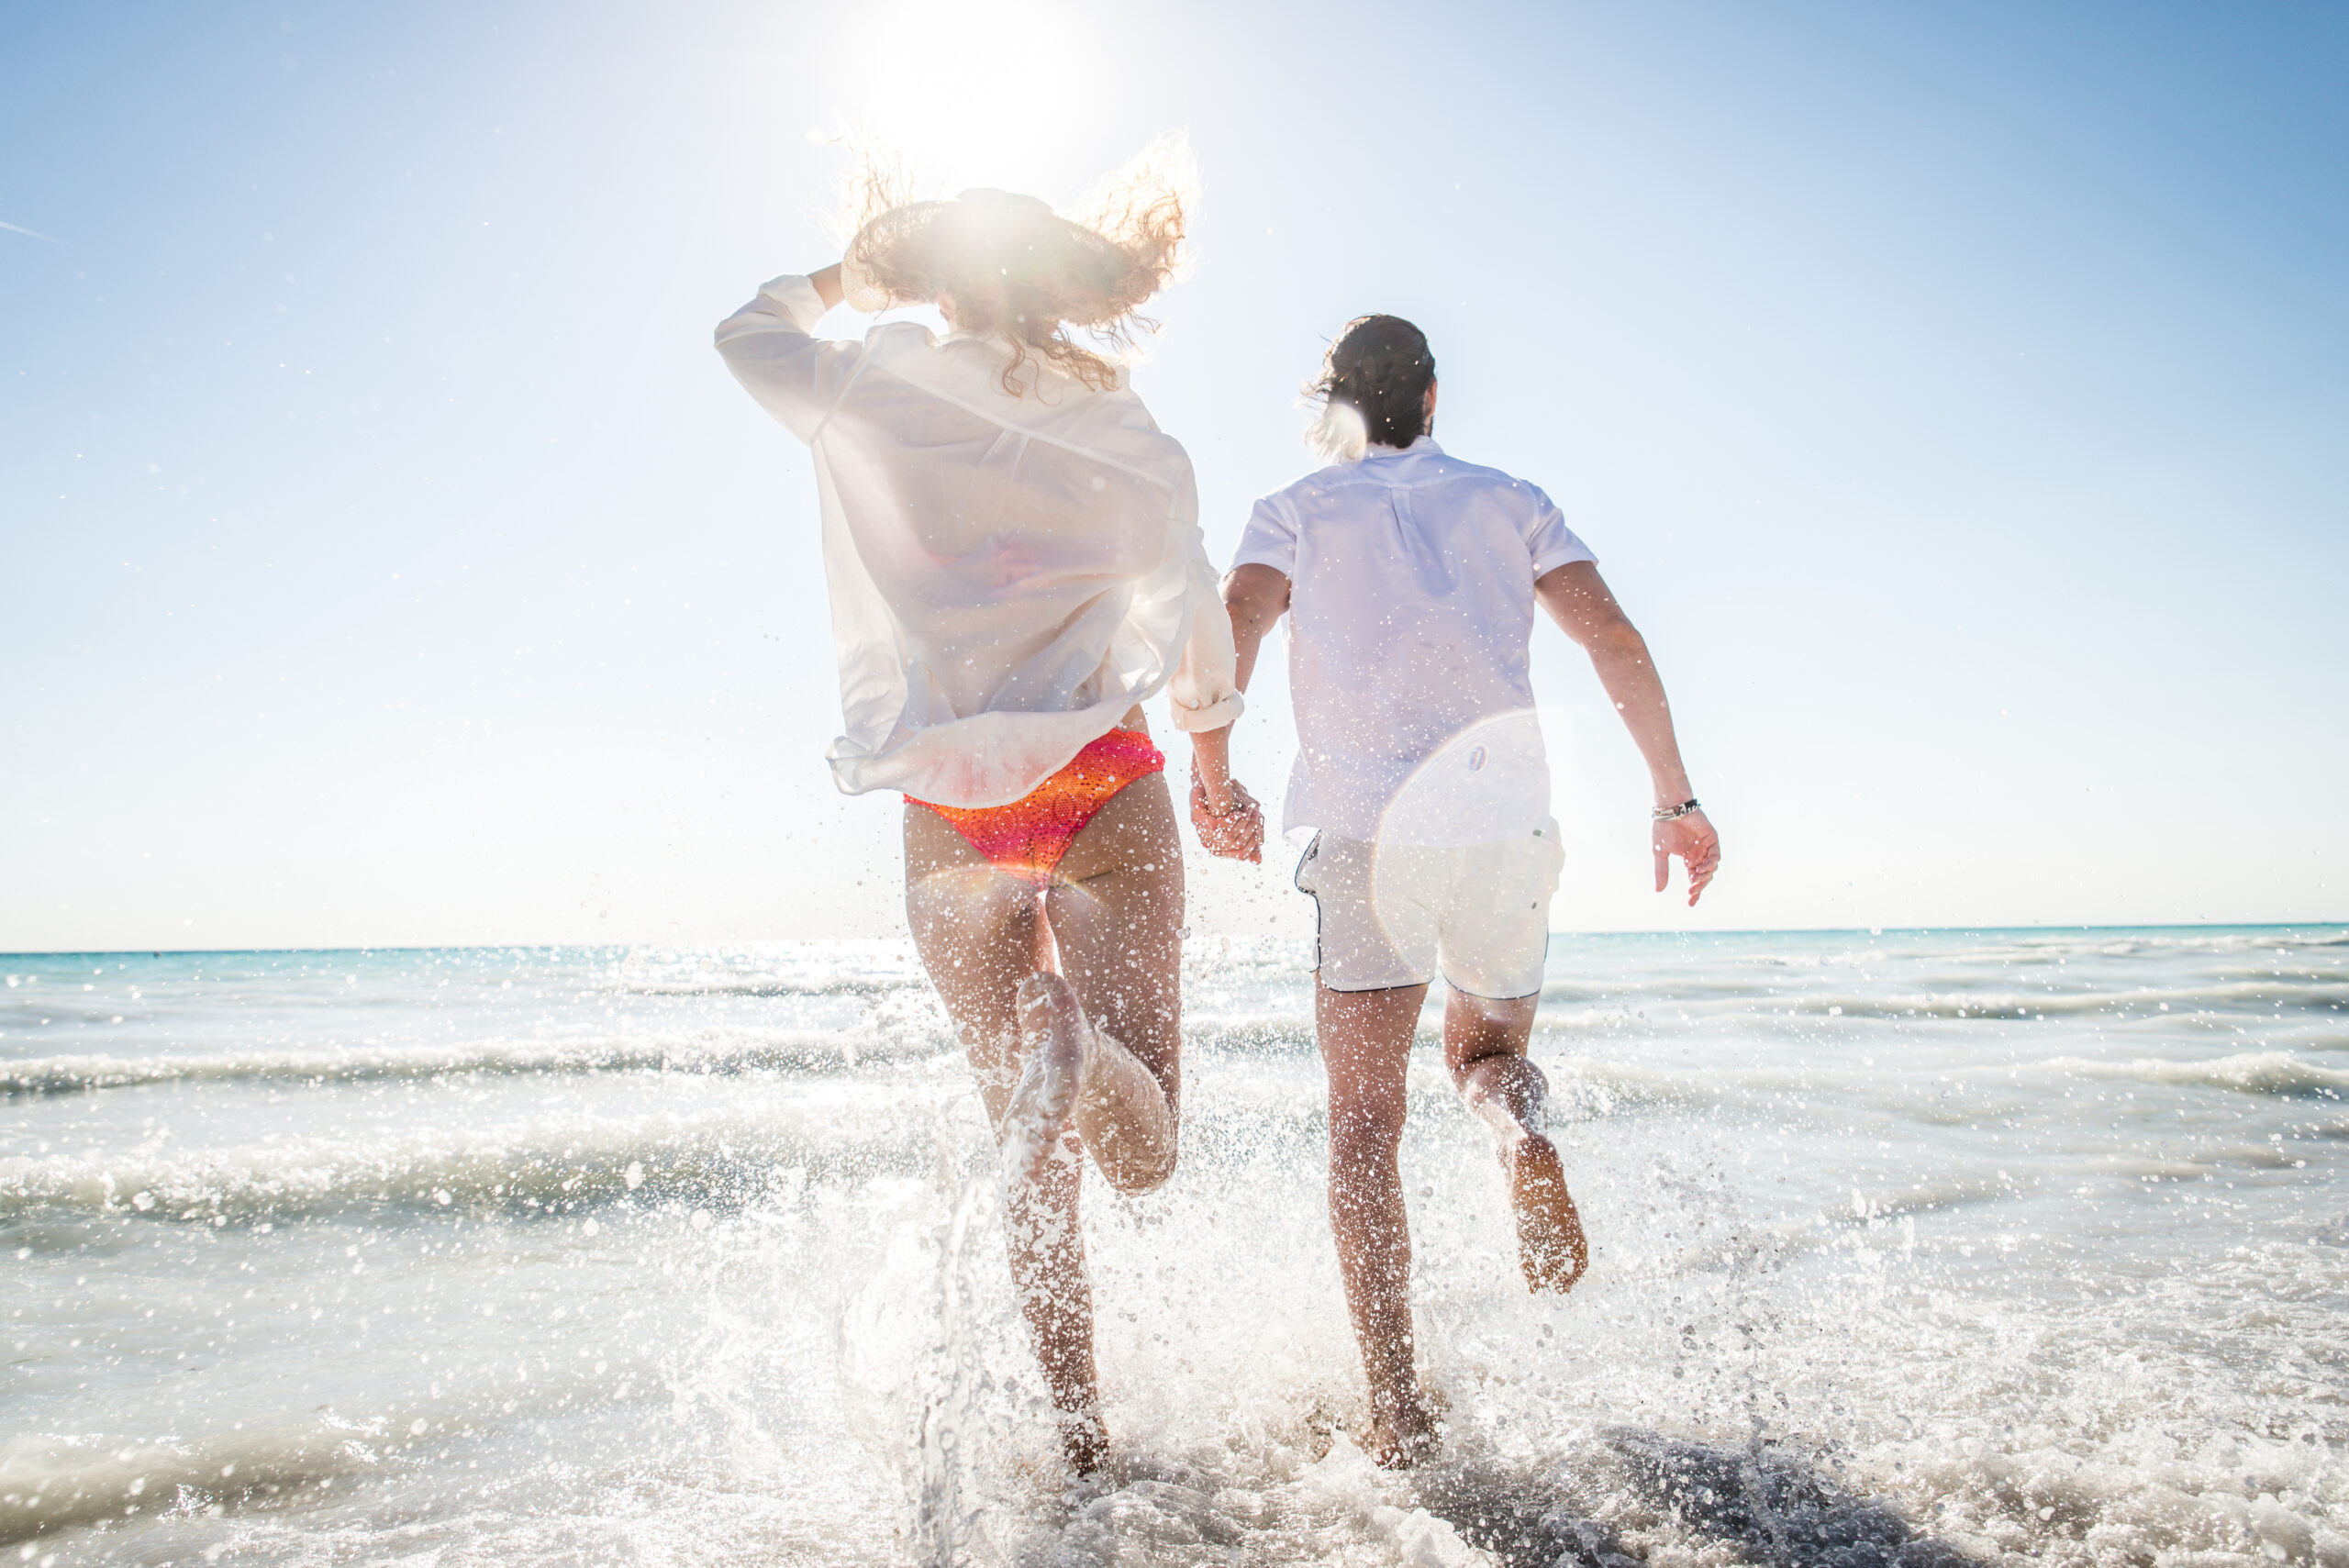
[(1052, 1033), (1550, 1247), (1404, 1438), (1085, 1444)]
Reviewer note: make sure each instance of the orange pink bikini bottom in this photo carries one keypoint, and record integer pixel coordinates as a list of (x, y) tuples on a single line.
[(1029, 836)]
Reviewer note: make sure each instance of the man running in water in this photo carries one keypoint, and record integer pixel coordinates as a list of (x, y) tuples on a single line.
[(1410, 580)]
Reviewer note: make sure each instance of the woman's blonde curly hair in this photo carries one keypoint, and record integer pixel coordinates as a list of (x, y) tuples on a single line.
[(1015, 270)]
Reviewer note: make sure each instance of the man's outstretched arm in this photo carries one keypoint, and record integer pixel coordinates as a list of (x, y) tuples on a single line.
[(1580, 602)]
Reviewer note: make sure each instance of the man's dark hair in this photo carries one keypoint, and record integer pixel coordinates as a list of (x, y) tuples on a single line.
[(1380, 366)]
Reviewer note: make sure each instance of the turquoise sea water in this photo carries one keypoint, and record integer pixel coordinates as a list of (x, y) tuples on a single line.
[(1910, 1247)]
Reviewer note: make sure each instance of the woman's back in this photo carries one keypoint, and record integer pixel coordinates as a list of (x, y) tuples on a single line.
[(1009, 536), (1010, 570)]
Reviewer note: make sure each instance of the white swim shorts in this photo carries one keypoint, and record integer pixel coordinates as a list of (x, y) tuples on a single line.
[(1398, 914)]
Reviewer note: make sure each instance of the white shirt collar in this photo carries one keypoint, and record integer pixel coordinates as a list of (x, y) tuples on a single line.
[(1424, 445)]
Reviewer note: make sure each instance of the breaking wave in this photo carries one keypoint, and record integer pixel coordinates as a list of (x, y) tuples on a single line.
[(2251, 1073), (722, 1159), (706, 1051)]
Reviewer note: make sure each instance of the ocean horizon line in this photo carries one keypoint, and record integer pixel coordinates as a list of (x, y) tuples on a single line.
[(2208, 927)]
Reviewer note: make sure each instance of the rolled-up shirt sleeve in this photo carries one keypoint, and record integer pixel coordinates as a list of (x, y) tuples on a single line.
[(1205, 690), (770, 347)]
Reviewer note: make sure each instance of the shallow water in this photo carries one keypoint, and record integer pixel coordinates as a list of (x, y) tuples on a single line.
[(1909, 1247)]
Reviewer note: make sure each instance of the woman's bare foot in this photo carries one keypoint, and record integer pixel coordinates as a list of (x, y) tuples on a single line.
[(1052, 1034), (1550, 1247)]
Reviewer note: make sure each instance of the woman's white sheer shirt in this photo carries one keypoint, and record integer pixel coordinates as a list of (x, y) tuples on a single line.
[(1009, 576)]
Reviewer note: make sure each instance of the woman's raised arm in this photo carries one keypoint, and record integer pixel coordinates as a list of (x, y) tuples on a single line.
[(770, 346)]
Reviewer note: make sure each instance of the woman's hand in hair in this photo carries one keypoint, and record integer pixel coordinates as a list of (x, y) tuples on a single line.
[(828, 284)]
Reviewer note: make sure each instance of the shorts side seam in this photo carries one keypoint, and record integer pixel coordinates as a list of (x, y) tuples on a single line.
[(1296, 880)]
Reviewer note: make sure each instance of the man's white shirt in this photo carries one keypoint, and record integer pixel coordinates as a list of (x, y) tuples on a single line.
[(1411, 625)]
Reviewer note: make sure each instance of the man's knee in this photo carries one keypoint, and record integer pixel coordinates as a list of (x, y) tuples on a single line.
[(1510, 1079), (1363, 1137), (1472, 1038), (1486, 1057)]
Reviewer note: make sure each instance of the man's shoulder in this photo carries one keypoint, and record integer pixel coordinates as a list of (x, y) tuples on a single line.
[(1340, 481), (1312, 486), (1445, 469)]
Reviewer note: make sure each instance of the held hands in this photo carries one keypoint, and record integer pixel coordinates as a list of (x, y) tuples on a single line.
[(1237, 832), (1693, 840)]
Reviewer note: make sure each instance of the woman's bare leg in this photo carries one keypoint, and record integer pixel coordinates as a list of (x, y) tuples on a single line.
[(1115, 917), (1485, 1043), (1366, 1040), (981, 933)]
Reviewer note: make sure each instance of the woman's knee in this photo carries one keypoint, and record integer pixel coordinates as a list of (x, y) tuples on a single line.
[(1133, 1180), (1158, 1049)]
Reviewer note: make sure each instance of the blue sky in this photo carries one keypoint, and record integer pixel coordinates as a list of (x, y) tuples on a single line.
[(1955, 395)]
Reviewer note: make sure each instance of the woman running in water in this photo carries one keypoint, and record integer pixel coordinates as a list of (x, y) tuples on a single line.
[(1015, 565)]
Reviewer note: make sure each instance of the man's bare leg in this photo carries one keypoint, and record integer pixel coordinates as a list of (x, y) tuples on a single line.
[(1483, 1045), (1365, 1039)]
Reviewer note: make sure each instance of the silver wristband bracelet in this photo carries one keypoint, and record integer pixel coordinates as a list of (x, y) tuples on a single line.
[(1674, 813)]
